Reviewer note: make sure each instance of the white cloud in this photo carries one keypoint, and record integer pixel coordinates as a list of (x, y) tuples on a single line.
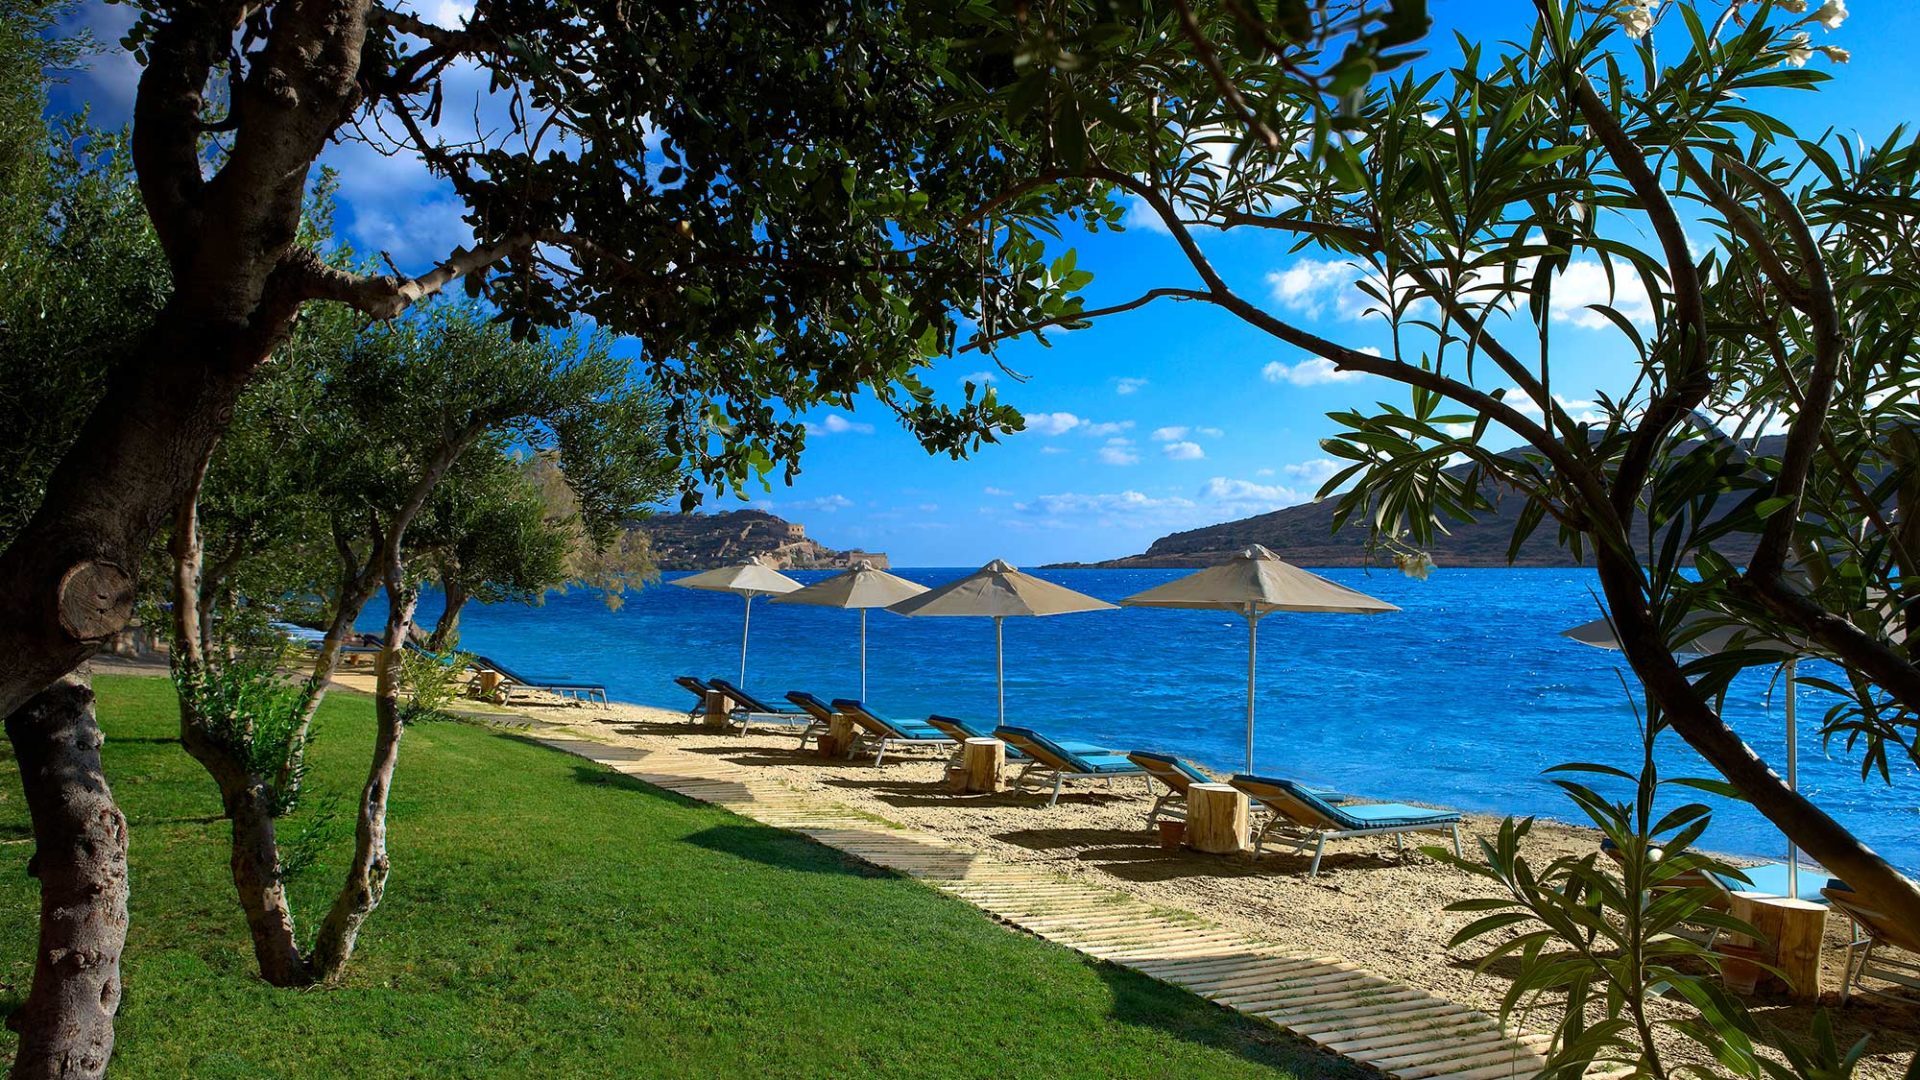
[(1242, 498), (1584, 282), (825, 504), (1209, 432), (1103, 430), (1183, 451), (1053, 423), (1310, 286), (1315, 471), (1119, 452), (1263, 472), (1141, 216), (836, 424), (978, 378), (1313, 371), (1053, 450), (928, 508), (1128, 385), (1169, 434), (994, 491)]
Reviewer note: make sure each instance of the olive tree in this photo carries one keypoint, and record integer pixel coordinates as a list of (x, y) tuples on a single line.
[(394, 412)]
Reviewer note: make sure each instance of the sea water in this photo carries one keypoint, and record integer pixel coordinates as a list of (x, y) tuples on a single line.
[(1461, 699)]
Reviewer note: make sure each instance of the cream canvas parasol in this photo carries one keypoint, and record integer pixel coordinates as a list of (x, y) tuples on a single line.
[(1000, 592), (1256, 583), (860, 587), (750, 577)]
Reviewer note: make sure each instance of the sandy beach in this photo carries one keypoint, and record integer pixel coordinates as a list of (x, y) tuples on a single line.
[(1377, 908)]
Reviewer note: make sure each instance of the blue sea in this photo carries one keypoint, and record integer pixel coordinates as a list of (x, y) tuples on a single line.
[(1461, 699)]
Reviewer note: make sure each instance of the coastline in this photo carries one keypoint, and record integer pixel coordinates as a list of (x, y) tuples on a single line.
[(1381, 910)]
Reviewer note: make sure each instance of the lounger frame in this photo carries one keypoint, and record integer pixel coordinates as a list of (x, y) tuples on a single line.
[(1304, 838), (1046, 762), (1871, 954), (879, 734), (1172, 802), (1283, 828)]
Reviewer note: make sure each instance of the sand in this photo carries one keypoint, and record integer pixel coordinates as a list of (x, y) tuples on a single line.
[(1382, 910)]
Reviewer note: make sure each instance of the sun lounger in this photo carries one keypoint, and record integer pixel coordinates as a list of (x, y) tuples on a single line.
[(1177, 774), (820, 712), (881, 732), (698, 688), (559, 686), (1300, 818), (960, 731), (748, 709), (1881, 948), (1049, 757)]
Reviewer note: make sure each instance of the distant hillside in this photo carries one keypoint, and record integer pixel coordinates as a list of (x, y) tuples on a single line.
[(1304, 534), (704, 541)]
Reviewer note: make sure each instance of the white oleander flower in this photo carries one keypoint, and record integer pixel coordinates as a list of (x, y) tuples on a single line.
[(1836, 54), (1636, 16), (1798, 51), (1831, 14), (1417, 565), (1795, 7)]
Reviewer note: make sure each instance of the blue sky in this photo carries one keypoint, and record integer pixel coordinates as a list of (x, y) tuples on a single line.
[(1167, 418)]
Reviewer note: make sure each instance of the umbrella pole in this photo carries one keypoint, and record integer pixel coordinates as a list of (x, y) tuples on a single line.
[(1000, 667), (745, 625), (863, 654), (1253, 636), (1793, 780)]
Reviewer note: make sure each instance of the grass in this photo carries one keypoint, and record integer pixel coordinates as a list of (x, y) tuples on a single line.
[(549, 917)]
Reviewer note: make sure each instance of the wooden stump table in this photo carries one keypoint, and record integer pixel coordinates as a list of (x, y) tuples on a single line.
[(982, 761), (839, 739), (489, 684), (1790, 937), (718, 716), (1217, 819)]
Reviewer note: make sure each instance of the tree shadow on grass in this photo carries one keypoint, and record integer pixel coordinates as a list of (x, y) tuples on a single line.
[(783, 850), (1145, 1002), (596, 776)]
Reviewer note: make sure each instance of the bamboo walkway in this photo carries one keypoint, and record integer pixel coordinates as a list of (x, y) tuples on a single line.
[(1399, 1030)]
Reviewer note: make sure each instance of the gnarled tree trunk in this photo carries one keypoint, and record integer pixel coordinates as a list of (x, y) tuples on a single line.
[(366, 879), (446, 632), (80, 857), (1839, 851)]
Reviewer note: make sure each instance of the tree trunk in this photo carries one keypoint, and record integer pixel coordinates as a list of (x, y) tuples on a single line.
[(80, 858), (367, 875), (255, 862), (67, 579), (446, 632), (1826, 840)]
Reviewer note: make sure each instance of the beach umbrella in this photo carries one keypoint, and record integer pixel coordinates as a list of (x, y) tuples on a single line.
[(1253, 584), (750, 577), (1000, 592), (1719, 638), (862, 586)]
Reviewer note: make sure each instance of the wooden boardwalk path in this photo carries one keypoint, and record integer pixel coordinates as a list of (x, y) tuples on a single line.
[(1402, 1031)]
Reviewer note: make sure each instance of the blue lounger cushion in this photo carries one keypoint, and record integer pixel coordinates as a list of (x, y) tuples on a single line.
[(1091, 760), (905, 729), (1351, 816), (969, 731), (752, 704), (1770, 879)]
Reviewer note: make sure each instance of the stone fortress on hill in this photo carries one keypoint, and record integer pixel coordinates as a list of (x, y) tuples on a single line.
[(704, 541)]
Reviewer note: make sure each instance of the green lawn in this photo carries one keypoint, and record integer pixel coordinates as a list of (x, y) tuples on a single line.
[(549, 917)]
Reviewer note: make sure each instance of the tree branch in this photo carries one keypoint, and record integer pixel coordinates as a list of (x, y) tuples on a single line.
[(987, 341)]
